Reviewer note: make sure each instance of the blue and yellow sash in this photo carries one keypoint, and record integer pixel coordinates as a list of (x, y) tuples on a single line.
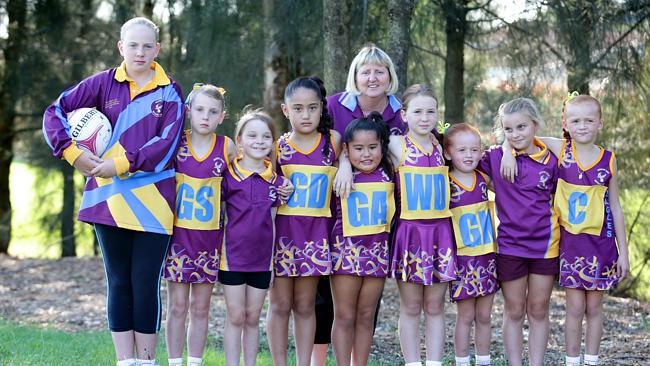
[(474, 229), (313, 190), (198, 202), (369, 209), (424, 192), (581, 209)]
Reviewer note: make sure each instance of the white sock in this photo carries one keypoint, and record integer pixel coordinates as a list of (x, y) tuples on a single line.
[(483, 360), (434, 363), (175, 361), (146, 362), (572, 361), (591, 360), (194, 361), (416, 363), (127, 362), (462, 361)]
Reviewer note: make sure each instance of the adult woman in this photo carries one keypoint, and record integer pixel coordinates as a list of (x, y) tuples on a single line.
[(129, 193), (371, 83)]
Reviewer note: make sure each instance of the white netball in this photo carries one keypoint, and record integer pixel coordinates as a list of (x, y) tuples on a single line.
[(90, 129)]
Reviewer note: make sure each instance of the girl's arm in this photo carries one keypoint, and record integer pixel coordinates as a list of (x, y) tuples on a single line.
[(623, 264), (336, 139), (344, 180), (395, 149), (231, 150), (508, 167), (274, 211)]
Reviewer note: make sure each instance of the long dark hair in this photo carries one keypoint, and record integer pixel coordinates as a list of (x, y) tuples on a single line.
[(374, 122), (316, 84)]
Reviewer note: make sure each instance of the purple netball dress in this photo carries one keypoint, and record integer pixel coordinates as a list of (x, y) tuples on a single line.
[(423, 249), (473, 218), (588, 251), (303, 224), (360, 234), (193, 255)]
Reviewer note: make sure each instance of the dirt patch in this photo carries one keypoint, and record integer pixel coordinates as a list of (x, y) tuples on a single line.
[(70, 294)]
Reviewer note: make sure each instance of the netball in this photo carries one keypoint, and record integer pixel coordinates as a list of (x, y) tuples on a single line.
[(90, 129)]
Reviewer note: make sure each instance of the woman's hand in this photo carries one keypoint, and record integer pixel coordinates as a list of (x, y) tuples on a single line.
[(86, 163), (105, 169)]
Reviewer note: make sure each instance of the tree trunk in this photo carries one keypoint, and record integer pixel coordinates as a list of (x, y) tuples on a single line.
[(147, 9), (455, 28), (579, 67), (336, 29), (276, 73), (68, 242), (9, 94), (399, 37)]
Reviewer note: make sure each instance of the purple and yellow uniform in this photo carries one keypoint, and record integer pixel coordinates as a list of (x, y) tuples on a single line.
[(476, 266), (193, 255), (360, 233), (588, 251), (248, 235), (344, 107), (423, 248), (528, 225), (146, 125), (303, 224)]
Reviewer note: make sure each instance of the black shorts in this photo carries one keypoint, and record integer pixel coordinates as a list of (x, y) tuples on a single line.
[(260, 280)]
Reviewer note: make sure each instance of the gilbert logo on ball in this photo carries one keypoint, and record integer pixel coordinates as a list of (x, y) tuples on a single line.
[(90, 129)]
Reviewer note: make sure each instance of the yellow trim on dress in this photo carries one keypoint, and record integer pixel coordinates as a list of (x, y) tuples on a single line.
[(193, 152), (460, 184), (577, 159), (311, 150)]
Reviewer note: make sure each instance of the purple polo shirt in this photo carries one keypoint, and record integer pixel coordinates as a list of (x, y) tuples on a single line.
[(528, 226), (344, 108), (248, 235)]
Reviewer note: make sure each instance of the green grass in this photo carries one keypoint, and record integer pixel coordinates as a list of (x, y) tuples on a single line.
[(31, 345)]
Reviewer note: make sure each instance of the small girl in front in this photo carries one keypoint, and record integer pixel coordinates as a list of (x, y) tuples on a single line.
[(476, 266), (528, 232), (593, 246), (423, 256), (193, 255), (360, 239), (250, 194)]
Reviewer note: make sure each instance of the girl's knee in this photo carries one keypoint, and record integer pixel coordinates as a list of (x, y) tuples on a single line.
[(236, 317), (515, 311), (200, 309), (484, 316), (594, 309), (538, 310), (253, 317), (411, 307), (303, 308), (178, 307), (280, 307), (434, 308)]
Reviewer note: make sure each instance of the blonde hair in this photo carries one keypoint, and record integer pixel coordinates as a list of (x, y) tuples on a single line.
[(581, 99), (371, 54), (139, 21), (251, 115), (209, 90), (525, 106)]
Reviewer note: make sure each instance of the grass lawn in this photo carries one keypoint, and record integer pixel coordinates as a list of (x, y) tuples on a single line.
[(31, 345)]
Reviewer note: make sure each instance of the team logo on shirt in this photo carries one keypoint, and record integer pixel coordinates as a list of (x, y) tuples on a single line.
[(111, 103), (484, 190), (219, 163), (544, 177), (601, 174), (157, 108)]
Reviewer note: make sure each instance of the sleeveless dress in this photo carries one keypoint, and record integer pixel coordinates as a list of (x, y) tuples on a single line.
[(363, 220), (473, 218), (423, 250), (193, 254), (303, 225), (588, 251)]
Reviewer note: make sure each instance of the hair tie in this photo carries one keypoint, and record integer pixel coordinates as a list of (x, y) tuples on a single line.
[(442, 127), (570, 96)]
